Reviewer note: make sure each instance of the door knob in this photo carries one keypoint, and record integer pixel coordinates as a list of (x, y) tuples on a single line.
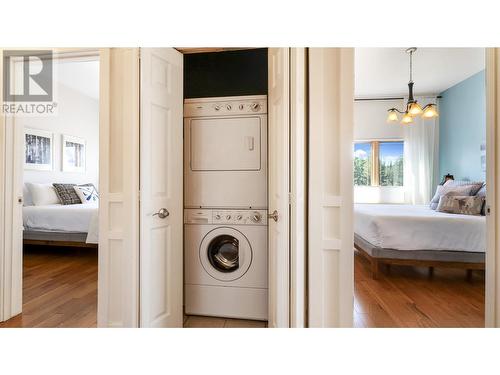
[(162, 213), (273, 215)]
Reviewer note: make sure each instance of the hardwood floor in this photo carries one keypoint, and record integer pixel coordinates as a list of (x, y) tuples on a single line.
[(59, 288), (409, 297), (191, 321)]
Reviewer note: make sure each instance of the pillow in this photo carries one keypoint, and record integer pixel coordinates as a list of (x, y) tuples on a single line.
[(27, 200), (454, 188), (43, 194), (67, 194), (482, 193), (437, 195), (477, 184), (87, 193), (465, 205)]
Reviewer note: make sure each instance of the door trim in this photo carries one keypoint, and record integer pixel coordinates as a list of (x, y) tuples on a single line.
[(279, 198), (492, 287), (298, 187)]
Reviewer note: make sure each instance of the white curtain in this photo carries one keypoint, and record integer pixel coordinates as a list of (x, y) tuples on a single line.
[(421, 157)]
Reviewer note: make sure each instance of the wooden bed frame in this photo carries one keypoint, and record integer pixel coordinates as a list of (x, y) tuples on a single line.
[(60, 243), (418, 258), (57, 239)]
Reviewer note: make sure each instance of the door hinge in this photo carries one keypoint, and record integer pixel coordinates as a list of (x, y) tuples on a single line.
[(488, 210), (289, 198)]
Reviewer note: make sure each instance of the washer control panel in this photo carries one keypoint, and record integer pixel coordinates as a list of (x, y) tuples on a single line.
[(243, 217), (227, 217)]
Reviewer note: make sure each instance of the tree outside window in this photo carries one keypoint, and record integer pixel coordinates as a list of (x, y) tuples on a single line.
[(379, 163), (362, 164)]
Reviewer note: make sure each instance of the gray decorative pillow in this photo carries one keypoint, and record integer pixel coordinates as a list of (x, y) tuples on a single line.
[(482, 193), (477, 184), (67, 193), (455, 188), (464, 205)]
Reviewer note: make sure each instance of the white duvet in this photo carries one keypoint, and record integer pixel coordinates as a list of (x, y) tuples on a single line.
[(74, 218), (407, 227)]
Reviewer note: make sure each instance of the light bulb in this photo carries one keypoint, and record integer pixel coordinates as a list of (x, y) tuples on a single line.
[(392, 116), (430, 111), (407, 119), (415, 109)]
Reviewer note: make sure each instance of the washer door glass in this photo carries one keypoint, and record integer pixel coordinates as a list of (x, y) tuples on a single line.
[(223, 253)]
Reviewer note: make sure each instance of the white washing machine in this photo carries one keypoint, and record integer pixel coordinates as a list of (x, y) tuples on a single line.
[(225, 152), (226, 263)]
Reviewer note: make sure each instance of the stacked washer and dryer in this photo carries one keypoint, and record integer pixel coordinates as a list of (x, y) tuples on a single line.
[(225, 207)]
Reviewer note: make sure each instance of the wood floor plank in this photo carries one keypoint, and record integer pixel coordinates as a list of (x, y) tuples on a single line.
[(409, 297), (59, 288)]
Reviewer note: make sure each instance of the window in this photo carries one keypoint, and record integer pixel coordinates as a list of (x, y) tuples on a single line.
[(362, 164), (378, 163)]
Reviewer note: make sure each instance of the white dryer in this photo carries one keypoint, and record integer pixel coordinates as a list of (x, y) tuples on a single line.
[(225, 152), (226, 263)]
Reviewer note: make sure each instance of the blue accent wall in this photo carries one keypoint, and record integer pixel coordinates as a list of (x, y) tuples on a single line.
[(462, 128)]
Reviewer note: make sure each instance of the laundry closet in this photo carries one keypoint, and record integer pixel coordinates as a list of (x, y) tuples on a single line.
[(217, 187), (225, 184)]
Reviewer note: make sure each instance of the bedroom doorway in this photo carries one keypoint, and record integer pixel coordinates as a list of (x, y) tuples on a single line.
[(419, 187), (57, 171)]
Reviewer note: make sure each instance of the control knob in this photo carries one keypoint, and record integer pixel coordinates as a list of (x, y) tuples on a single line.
[(228, 107), (217, 107), (256, 217), (241, 106), (239, 217), (228, 217), (255, 107), (217, 217)]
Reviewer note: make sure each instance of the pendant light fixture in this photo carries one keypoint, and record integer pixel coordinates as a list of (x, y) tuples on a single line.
[(413, 109)]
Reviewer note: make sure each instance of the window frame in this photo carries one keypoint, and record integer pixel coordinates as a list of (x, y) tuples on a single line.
[(375, 158)]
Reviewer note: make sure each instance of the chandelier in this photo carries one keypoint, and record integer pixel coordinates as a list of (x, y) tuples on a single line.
[(413, 109)]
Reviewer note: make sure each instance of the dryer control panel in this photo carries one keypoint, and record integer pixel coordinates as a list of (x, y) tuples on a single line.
[(226, 106), (225, 217)]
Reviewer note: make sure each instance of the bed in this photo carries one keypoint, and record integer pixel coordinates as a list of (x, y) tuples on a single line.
[(61, 225), (419, 236)]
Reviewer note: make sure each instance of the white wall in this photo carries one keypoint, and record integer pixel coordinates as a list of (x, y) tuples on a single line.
[(78, 115), (370, 120), (370, 123)]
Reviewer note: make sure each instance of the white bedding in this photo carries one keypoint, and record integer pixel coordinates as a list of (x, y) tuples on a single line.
[(74, 218), (407, 227)]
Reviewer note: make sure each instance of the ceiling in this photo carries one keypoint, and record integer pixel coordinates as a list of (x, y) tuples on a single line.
[(82, 76), (384, 72)]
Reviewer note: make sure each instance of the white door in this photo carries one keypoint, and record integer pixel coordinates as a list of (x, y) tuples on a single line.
[(161, 251), (278, 160)]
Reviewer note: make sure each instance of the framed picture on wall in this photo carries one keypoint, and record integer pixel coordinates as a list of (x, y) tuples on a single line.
[(73, 154), (38, 150)]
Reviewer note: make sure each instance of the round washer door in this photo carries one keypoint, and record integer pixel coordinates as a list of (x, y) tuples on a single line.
[(225, 254)]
